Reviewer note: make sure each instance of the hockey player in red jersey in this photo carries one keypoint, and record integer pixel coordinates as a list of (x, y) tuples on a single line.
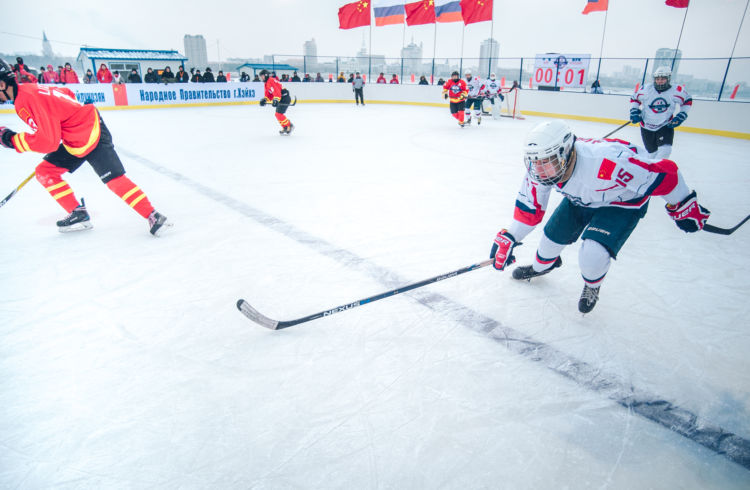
[(279, 98), (456, 91), (70, 133), (606, 187)]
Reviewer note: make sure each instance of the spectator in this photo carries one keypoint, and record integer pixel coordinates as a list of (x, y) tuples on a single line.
[(319, 78), (423, 80), (181, 75), (59, 72), (381, 79), (167, 76), (50, 76), (441, 82), (208, 76), (197, 78), (104, 75), (394, 79), (307, 78), (151, 76), (596, 88), (358, 86), (20, 65), (117, 78), (134, 77), (244, 77), (295, 77), (284, 78), (341, 78), (68, 75), (89, 77), (256, 78), (22, 72), (220, 77)]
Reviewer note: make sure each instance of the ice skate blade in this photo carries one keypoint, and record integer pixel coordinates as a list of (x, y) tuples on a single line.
[(81, 226)]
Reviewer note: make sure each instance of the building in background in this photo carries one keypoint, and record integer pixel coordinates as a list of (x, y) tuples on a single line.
[(46, 47), (310, 51), (195, 50), (489, 52), (412, 55), (664, 57)]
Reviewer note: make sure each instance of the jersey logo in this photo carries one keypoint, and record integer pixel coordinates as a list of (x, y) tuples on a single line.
[(606, 169), (659, 105)]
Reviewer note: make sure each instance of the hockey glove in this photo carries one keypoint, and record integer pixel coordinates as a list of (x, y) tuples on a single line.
[(635, 116), (275, 103), (502, 250), (678, 119), (502, 97), (6, 136), (689, 216), (263, 102), (445, 95)]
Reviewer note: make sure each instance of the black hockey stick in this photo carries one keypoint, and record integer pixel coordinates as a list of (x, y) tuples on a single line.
[(263, 320), (2, 203), (724, 231), (294, 102), (616, 130)]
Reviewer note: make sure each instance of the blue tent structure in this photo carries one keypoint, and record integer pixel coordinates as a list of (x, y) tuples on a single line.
[(267, 66)]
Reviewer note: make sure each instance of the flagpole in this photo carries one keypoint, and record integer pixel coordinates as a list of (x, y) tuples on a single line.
[(492, 41), (461, 63), (731, 55), (674, 58), (434, 52), (601, 48)]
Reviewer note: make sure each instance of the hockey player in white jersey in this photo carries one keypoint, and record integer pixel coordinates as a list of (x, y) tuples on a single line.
[(492, 90), (476, 90), (606, 186), (654, 106)]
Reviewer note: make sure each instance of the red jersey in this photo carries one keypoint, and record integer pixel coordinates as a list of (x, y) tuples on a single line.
[(273, 89), (456, 90), (55, 116)]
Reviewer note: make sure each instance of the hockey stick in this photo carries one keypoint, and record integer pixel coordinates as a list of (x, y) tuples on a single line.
[(2, 203), (263, 320), (724, 231), (616, 130)]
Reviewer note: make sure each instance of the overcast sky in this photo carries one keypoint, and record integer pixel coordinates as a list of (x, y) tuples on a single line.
[(251, 29)]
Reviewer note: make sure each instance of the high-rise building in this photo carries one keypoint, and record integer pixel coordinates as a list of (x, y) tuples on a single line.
[(665, 57), (46, 47), (195, 50), (310, 50), (489, 52), (412, 55)]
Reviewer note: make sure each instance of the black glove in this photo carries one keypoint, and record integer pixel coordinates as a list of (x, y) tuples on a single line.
[(678, 119), (275, 103), (6, 137), (445, 95), (635, 116), (262, 102)]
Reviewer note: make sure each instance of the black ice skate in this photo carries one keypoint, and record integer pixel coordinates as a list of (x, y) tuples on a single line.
[(287, 130), (527, 272), (479, 120), (589, 297), (78, 220), (157, 222)]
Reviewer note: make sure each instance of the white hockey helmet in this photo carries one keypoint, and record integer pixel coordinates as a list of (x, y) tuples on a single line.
[(467, 73), (662, 72), (547, 151), (492, 76)]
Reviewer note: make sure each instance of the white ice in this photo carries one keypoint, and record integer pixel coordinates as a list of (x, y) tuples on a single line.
[(124, 362)]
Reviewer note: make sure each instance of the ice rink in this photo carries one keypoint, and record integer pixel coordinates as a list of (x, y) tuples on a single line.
[(124, 362)]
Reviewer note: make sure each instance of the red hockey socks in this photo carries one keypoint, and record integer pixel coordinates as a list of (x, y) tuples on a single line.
[(131, 194), (49, 176), (282, 119)]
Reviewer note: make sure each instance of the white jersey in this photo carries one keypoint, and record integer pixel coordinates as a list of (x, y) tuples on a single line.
[(606, 173), (475, 86), (657, 108), (492, 87)]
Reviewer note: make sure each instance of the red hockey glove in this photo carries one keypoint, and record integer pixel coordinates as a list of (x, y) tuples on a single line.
[(6, 136), (689, 216), (263, 102), (502, 250)]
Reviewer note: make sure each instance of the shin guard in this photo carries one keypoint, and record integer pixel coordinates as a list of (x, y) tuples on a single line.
[(50, 177), (131, 194)]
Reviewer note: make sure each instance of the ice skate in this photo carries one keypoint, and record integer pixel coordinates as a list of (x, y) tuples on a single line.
[(157, 222), (527, 272), (589, 297), (78, 220), (479, 120)]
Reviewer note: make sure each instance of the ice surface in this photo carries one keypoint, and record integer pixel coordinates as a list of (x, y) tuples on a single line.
[(124, 362)]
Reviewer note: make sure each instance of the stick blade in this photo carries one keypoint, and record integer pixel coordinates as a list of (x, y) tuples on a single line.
[(255, 315)]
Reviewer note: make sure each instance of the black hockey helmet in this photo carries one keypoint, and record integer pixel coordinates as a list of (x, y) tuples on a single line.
[(9, 77), (455, 74), (264, 73)]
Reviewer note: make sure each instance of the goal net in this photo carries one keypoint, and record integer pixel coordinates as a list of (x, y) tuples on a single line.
[(510, 107)]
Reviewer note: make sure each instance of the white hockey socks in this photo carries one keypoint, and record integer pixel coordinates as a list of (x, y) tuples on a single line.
[(594, 260)]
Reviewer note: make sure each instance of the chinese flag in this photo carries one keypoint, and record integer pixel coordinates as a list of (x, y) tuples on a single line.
[(680, 4), (120, 93), (476, 11), (355, 14), (595, 6), (418, 13)]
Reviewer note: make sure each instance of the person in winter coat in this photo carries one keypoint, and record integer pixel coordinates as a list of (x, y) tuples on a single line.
[(245, 77), (197, 78), (50, 75), (68, 75), (104, 75), (89, 77), (151, 76), (134, 77), (221, 77), (181, 75), (381, 79), (208, 76), (167, 76)]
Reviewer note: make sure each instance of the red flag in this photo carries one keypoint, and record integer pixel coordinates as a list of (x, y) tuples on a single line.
[(355, 14), (418, 13), (476, 11), (680, 4), (595, 6)]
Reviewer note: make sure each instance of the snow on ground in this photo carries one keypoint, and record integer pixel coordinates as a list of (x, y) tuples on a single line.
[(125, 364)]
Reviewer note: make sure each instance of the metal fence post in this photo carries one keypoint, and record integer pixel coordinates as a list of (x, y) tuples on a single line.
[(724, 81)]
